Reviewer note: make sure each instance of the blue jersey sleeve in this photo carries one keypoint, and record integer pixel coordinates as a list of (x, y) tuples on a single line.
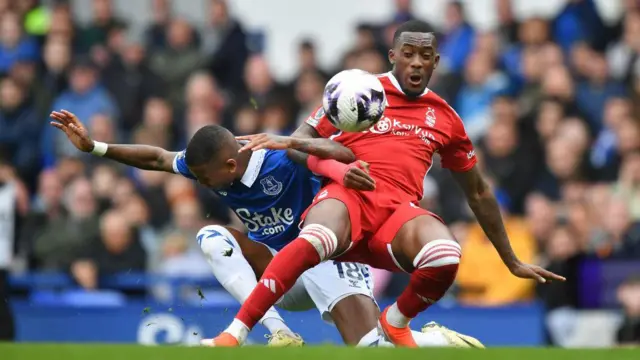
[(180, 166)]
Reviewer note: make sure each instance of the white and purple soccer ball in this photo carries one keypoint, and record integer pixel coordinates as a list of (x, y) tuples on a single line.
[(354, 100)]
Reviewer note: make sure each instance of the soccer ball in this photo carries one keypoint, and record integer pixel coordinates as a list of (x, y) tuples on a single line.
[(354, 100)]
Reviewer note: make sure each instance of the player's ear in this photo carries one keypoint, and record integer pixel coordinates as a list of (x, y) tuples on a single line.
[(436, 62), (231, 165), (392, 56)]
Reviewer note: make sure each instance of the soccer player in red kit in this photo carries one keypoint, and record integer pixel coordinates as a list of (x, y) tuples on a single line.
[(386, 228)]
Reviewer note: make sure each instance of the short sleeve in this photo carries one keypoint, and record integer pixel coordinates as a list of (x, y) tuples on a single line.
[(180, 166), (458, 155), (319, 121)]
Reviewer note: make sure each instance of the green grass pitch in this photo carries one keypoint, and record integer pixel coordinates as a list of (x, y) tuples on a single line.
[(26, 351)]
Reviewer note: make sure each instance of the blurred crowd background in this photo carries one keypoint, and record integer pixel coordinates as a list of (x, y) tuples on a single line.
[(552, 104)]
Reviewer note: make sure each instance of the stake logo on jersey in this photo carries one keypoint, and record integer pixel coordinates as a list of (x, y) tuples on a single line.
[(270, 197)]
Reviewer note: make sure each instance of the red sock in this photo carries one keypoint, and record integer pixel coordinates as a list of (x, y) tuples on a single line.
[(426, 286), (283, 271)]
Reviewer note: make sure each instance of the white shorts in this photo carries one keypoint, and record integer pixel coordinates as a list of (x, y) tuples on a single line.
[(325, 285)]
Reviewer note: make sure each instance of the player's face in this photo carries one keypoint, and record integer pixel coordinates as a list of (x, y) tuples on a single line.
[(414, 58), (217, 174)]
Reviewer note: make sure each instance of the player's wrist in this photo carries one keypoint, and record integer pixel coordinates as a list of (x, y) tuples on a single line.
[(295, 143), (328, 168), (99, 148)]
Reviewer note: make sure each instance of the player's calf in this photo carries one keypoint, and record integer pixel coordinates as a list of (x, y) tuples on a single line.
[(435, 269)]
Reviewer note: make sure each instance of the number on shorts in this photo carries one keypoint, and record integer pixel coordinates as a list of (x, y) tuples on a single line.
[(351, 270)]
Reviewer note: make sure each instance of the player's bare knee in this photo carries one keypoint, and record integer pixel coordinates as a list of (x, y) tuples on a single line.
[(216, 240), (323, 240)]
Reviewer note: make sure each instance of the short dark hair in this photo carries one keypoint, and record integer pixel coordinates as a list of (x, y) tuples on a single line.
[(412, 26), (207, 143)]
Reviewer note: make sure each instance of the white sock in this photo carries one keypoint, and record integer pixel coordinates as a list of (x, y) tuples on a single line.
[(395, 318), (232, 270), (372, 338), (431, 339), (239, 330), (275, 324)]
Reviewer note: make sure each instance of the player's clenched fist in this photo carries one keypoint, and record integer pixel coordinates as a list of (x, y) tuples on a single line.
[(357, 177), (68, 123)]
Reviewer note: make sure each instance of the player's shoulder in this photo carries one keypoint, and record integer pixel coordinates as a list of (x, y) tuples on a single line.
[(316, 116), (277, 159)]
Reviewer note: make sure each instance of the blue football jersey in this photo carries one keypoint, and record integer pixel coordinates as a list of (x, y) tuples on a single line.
[(270, 198)]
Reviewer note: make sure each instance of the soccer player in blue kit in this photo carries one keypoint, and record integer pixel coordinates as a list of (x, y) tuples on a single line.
[(269, 192)]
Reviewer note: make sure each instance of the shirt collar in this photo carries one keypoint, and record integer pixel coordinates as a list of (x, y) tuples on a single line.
[(396, 84), (253, 168)]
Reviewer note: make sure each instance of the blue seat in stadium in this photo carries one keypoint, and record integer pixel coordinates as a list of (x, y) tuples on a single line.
[(79, 298)]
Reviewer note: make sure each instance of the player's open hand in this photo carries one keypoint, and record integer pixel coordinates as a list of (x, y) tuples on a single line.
[(527, 271), (265, 141), (68, 123), (357, 177)]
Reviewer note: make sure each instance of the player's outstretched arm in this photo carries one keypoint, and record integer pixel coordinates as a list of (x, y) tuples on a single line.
[(322, 156), (140, 156), (485, 207), (305, 140)]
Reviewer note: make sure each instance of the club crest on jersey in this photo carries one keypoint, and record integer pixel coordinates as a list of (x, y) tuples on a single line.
[(315, 119), (430, 117), (271, 186)]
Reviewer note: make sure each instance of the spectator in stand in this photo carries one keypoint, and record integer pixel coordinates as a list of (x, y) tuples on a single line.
[(117, 249), (180, 259), (510, 163), (592, 94), (308, 90), (104, 20), (63, 239), (624, 56), (85, 97), (629, 296), (155, 34), (47, 207), (19, 129), (178, 60), (132, 82), (261, 86), (14, 44), (628, 185), (57, 61), (482, 82), (224, 42), (457, 42), (561, 298)]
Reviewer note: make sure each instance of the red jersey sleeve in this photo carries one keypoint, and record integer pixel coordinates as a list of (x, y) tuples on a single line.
[(319, 121), (458, 154)]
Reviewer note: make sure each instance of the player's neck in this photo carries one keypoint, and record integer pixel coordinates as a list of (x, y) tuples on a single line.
[(243, 162)]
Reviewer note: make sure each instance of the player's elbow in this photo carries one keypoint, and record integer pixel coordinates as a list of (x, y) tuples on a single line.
[(480, 194)]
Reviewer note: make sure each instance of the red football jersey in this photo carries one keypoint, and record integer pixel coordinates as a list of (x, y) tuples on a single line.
[(400, 147)]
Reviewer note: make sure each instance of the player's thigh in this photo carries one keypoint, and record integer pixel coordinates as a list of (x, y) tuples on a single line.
[(257, 255), (337, 209), (414, 234), (343, 294)]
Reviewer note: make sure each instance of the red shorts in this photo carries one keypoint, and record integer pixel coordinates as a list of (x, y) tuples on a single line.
[(376, 217)]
